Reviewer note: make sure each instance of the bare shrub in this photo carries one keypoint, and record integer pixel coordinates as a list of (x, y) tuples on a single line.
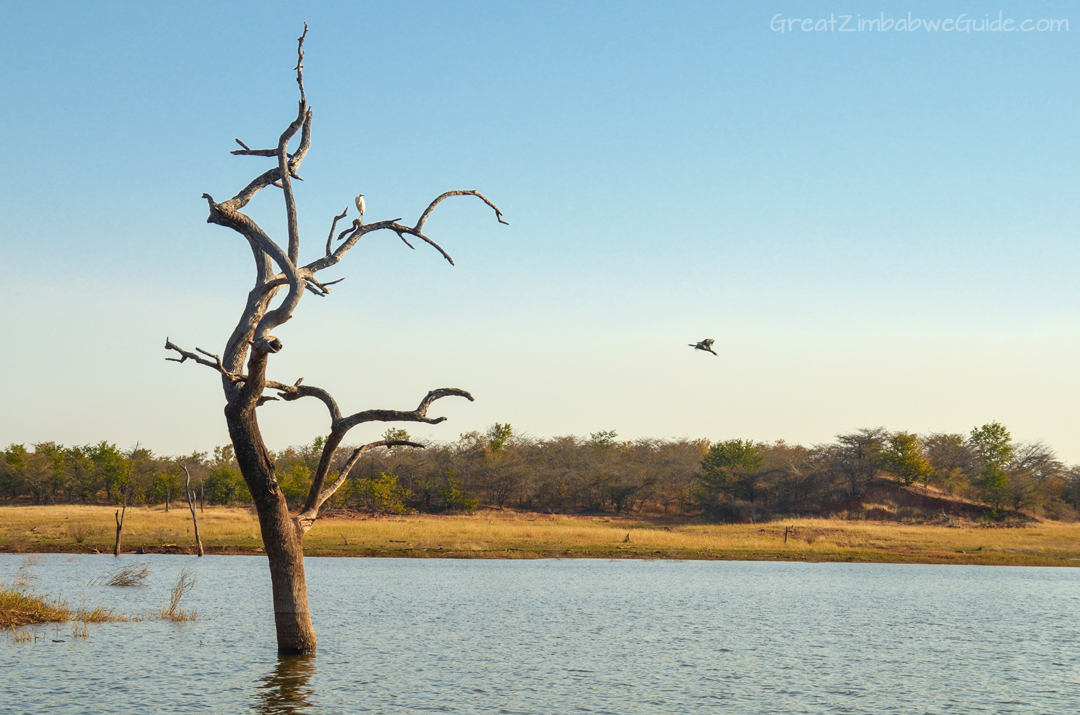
[(24, 577), (17, 543), (80, 532), (23, 635), (163, 535), (131, 575), (184, 584)]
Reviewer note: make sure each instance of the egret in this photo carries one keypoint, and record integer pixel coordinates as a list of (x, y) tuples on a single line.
[(360, 205), (705, 345)]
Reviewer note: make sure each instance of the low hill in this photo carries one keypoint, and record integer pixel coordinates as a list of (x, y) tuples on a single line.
[(888, 500)]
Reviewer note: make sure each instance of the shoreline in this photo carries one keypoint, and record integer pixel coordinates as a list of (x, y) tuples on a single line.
[(74, 529)]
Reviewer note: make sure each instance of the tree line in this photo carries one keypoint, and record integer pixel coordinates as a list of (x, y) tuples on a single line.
[(733, 479)]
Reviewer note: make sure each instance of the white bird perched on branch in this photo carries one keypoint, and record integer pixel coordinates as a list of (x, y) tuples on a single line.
[(705, 345), (360, 205)]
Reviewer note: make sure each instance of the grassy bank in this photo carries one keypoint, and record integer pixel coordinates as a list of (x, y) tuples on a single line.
[(506, 535)]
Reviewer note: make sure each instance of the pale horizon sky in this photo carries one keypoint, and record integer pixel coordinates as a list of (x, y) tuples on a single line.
[(877, 228)]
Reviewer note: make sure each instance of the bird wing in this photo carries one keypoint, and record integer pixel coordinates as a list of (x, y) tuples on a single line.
[(708, 342)]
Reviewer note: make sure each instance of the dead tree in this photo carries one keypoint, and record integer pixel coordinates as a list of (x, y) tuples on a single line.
[(279, 270), (119, 527), (191, 505), (121, 513)]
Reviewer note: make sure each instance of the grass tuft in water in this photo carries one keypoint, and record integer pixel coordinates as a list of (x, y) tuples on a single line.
[(131, 575), (21, 609), (184, 584)]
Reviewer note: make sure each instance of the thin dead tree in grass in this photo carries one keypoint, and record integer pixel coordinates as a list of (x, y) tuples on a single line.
[(191, 505), (119, 527), (278, 269), (121, 513)]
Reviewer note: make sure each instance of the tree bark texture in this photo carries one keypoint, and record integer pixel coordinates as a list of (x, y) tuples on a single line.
[(281, 539)]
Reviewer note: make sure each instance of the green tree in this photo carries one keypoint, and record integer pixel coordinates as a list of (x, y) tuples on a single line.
[(223, 482), (993, 443), (395, 434), (442, 493), (498, 435), (295, 482), (83, 485), (111, 470), (12, 468), (727, 471), (383, 494), (994, 446), (904, 459), (167, 484), (311, 455)]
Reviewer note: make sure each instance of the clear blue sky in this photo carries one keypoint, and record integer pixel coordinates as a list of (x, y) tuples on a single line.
[(878, 228)]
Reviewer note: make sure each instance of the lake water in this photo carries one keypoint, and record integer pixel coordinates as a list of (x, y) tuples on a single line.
[(562, 636)]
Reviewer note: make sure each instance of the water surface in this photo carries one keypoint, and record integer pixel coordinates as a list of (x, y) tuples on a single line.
[(563, 636)]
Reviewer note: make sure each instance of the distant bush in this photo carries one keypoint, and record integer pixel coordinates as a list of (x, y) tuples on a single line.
[(382, 495), (225, 485), (442, 493)]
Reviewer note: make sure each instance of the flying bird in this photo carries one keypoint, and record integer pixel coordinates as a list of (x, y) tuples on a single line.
[(705, 345), (360, 205)]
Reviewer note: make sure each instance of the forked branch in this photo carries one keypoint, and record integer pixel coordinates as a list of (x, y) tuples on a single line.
[(340, 427), (352, 235), (307, 516)]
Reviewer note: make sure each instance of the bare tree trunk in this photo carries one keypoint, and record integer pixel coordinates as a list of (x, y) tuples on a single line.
[(281, 538), (166, 501), (191, 505), (119, 527), (202, 496)]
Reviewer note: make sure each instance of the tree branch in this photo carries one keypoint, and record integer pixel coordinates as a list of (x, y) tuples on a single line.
[(460, 192), (289, 393), (417, 415), (340, 426), (358, 230), (215, 363), (316, 498), (333, 227)]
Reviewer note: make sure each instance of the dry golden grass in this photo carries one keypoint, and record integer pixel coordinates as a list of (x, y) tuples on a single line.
[(21, 609), (493, 534), (49, 529)]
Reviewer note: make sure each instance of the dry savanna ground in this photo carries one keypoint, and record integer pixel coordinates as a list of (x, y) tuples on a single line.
[(509, 535)]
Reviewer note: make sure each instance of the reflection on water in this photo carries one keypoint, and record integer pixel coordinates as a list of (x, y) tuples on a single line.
[(286, 689)]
